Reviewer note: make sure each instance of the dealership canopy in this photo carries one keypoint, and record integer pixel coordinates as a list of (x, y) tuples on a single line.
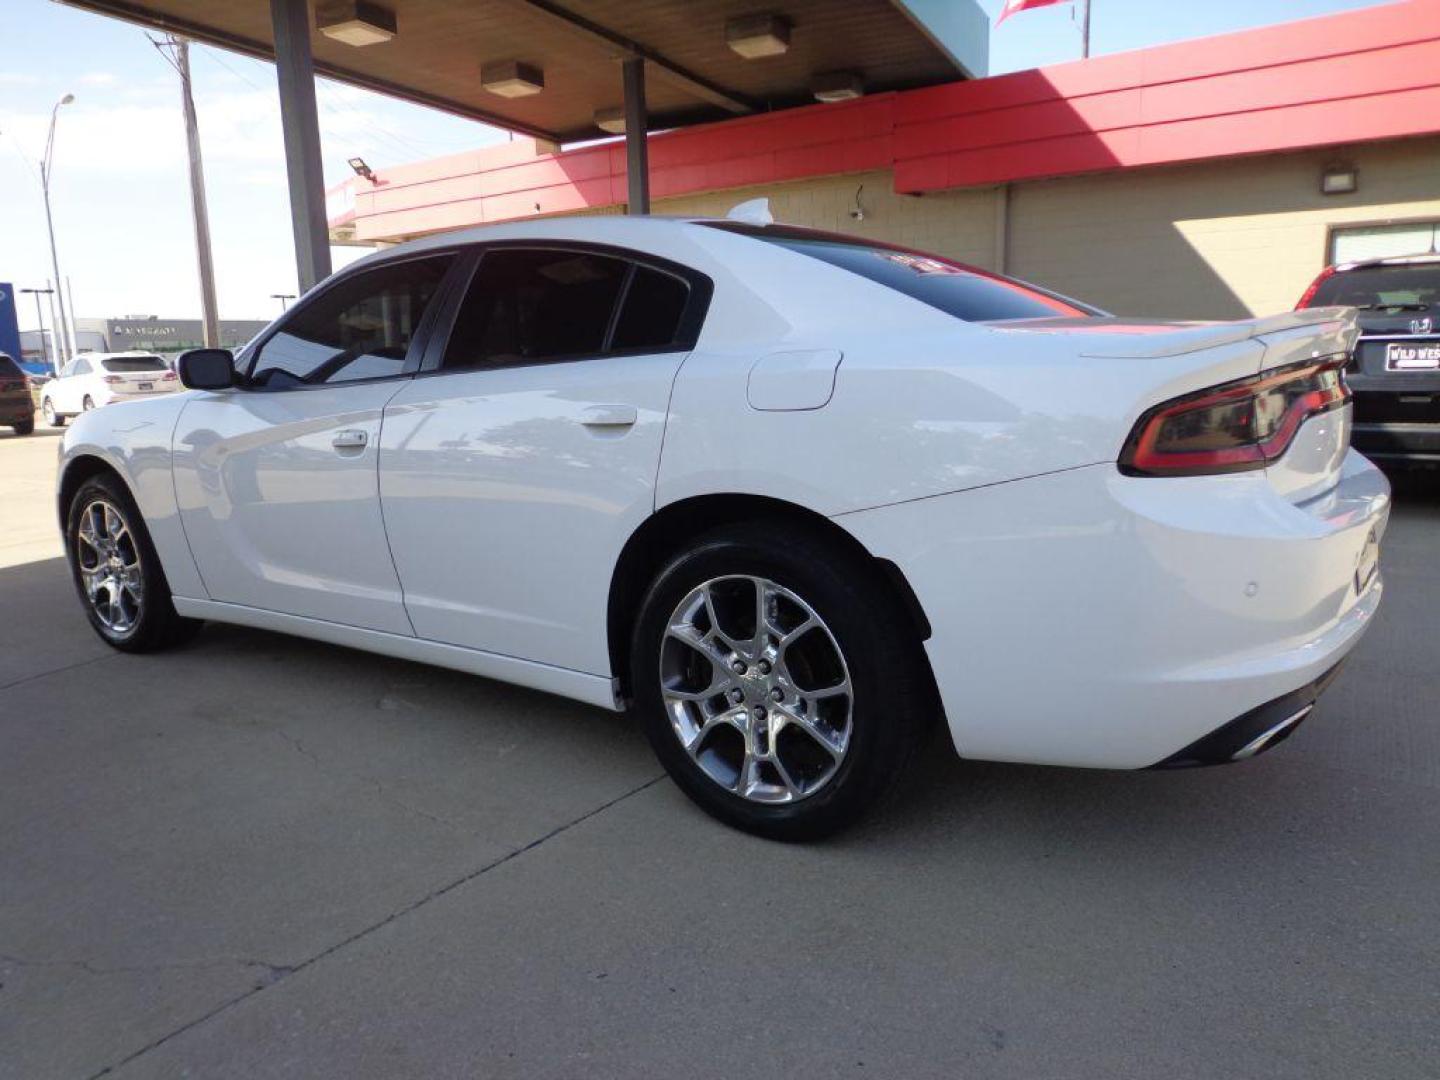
[(573, 70)]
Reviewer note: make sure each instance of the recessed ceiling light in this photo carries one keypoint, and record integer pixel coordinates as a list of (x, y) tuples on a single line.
[(757, 36), (611, 120), (837, 86), (512, 79), (355, 22)]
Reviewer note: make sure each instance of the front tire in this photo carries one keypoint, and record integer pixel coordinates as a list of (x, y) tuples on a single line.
[(47, 409), (87, 404), (116, 571), (778, 679)]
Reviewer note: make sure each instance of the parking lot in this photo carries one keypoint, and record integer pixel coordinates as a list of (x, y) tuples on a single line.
[(260, 856)]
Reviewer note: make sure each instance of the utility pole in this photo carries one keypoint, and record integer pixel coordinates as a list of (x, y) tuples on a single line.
[(61, 332), (1085, 29), (176, 50), (40, 322), (284, 298)]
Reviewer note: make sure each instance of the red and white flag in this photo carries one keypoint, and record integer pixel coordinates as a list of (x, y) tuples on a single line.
[(1012, 6)]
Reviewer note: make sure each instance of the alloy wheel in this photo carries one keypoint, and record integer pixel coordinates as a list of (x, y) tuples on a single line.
[(757, 689), (109, 562)]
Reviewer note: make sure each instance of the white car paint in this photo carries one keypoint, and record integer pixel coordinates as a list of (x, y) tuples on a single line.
[(92, 376), (1079, 616)]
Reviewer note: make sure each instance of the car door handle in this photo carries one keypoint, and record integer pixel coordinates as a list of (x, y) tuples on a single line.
[(350, 439), (609, 416)]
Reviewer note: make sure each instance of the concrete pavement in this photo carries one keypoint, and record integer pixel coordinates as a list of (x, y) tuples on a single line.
[(263, 857)]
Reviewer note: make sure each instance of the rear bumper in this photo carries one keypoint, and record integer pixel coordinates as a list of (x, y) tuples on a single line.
[(1397, 441), (13, 412), (1091, 619), (1262, 728)]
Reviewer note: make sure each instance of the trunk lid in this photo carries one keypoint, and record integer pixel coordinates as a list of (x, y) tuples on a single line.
[(1330, 330)]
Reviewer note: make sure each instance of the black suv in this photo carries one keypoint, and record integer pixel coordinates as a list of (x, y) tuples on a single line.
[(1395, 372), (17, 409)]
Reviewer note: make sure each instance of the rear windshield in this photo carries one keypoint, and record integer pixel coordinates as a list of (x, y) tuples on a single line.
[(965, 292), (1376, 288), (8, 367), (133, 363)]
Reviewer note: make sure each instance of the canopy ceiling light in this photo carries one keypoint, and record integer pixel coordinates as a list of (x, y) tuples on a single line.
[(837, 86), (611, 120), (512, 79), (355, 22), (758, 36)]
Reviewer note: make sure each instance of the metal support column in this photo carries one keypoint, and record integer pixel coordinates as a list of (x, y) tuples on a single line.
[(295, 70), (637, 154)]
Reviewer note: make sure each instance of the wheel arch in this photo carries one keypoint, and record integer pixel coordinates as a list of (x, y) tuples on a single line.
[(670, 528), (75, 472)]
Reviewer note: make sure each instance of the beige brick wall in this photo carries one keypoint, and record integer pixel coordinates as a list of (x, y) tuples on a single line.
[(1213, 241), (1220, 240), (960, 224)]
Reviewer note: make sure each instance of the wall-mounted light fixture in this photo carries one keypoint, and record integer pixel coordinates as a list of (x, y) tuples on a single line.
[(362, 170), (1339, 180), (836, 86), (512, 78), (758, 36), (611, 120), (355, 22)]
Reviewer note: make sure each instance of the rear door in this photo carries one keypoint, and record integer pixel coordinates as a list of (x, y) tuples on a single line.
[(277, 481), (515, 466)]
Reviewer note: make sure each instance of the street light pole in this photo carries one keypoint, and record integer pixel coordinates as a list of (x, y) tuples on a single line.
[(64, 346), (284, 298), (40, 322)]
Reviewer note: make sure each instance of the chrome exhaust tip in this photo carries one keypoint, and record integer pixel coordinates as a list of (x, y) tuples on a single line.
[(1271, 735)]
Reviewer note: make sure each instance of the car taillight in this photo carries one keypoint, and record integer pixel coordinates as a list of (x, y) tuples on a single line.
[(112, 379), (169, 376), (1235, 426), (1314, 288)]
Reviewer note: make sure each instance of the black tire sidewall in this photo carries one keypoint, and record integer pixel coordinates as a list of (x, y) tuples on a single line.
[(876, 649)]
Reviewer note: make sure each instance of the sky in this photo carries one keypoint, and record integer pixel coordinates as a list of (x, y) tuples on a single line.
[(120, 189)]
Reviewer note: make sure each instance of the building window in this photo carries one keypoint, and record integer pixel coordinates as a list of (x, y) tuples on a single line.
[(1354, 243)]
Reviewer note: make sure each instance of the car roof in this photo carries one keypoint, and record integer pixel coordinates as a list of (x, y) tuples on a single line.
[(1393, 260), (617, 229)]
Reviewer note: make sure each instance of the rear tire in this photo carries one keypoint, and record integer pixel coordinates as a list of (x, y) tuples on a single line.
[(47, 409), (116, 571), (751, 722), (25, 427), (87, 404)]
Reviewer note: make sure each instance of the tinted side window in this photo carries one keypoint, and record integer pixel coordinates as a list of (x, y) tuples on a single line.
[(654, 304), (8, 367), (359, 328), (529, 305)]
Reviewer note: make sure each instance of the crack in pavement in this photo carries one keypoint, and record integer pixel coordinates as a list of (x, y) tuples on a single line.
[(58, 671), (273, 971), (282, 973)]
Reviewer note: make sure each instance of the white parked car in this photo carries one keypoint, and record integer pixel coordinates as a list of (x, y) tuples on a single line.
[(792, 496), (95, 379)]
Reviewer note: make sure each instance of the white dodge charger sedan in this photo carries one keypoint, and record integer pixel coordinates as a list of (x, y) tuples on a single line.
[(792, 496)]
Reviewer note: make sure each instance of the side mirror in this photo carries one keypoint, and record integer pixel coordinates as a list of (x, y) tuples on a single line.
[(206, 369)]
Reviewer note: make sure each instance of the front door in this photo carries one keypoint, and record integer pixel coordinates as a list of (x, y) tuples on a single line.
[(277, 480), (512, 475)]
